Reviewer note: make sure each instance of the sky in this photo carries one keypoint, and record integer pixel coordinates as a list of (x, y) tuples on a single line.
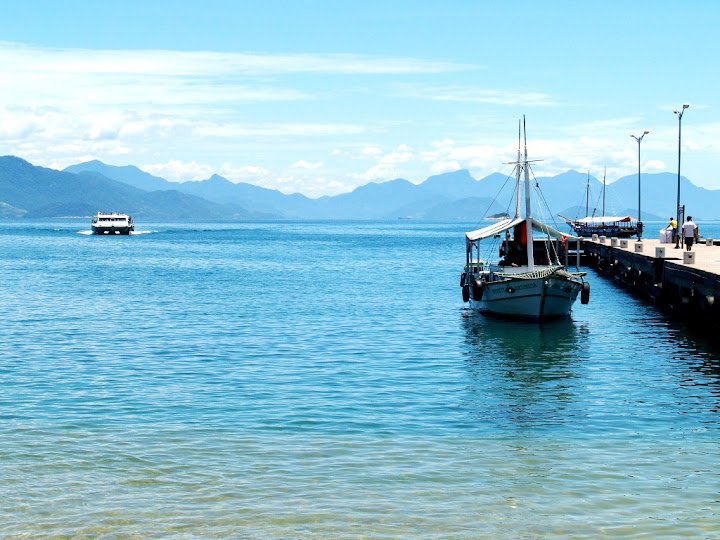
[(320, 97)]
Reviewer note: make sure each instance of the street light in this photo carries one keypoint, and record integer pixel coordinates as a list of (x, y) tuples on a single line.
[(679, 115), (639, 140)]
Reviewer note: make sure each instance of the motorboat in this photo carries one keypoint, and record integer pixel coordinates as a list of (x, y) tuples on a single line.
[(112, 223), (528, 277)]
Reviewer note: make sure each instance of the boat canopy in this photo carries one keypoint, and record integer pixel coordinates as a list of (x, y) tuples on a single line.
[(599, 220), (507, 224)]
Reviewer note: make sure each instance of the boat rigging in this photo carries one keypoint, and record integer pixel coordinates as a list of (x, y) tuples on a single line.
[(529, 281)]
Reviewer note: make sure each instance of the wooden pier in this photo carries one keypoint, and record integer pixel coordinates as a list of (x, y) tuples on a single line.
[(688, 285)]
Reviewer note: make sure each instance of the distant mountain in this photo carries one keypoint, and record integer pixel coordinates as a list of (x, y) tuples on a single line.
[(659, 196), (7, 211), (467, 209), (455, 195), (454, 184), (33, 191), (266, 202), (87, 187), (372, 201), (128, 174)]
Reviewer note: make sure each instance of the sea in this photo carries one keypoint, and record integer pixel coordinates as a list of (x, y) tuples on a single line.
[(325, 380)]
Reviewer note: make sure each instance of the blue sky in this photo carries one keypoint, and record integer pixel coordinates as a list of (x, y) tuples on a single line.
[(321, 97)]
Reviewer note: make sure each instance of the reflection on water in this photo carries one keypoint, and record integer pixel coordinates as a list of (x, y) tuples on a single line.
[(522, 341), (524, 373), (700, 349)]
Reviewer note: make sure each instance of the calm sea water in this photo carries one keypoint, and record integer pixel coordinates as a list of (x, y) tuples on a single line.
[(325, 380)]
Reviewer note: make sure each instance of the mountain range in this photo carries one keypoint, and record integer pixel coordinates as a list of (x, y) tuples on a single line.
[(81, 190)]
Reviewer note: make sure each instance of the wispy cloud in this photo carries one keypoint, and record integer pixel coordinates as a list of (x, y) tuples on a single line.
[(279, 129), (477, 95), (62, 104), (195, 84), (28, 61)]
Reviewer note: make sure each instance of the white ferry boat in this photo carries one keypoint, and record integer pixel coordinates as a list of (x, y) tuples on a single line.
[(112, 223)]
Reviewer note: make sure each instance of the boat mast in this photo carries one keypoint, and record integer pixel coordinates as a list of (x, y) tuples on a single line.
[(604, 191), (528, 212), (517, 176)]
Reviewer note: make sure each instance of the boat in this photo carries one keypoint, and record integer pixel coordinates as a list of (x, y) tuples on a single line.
[(527, 278), (612, 226), (112, 223)]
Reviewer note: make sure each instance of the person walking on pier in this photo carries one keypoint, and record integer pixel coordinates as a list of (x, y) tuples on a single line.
[(673, 226), (689, 230)]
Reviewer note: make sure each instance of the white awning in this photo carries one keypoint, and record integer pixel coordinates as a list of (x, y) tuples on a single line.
[(507, 224), (492, 230), (547, 229)]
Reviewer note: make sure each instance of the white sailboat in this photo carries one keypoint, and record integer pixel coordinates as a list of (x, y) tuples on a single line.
[(530, 281), (618, 226)]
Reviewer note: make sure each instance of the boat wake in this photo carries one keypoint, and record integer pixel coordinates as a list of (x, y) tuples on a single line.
[(132, 233)]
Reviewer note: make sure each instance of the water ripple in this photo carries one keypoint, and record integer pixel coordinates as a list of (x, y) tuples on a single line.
[(324, 380)]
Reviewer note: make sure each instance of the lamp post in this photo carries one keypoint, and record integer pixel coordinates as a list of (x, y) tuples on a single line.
[(639, 140), (679, 115)]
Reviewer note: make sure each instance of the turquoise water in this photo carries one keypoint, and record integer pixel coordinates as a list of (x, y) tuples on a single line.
[(325, 380)]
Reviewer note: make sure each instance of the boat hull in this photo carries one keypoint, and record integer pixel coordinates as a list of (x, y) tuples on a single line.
[(112, 230), (540, 298)]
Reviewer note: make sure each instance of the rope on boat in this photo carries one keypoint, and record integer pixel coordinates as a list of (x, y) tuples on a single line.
[(544, 272)]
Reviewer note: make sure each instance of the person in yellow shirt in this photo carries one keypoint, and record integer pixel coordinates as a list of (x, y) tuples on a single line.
[(673, 226)]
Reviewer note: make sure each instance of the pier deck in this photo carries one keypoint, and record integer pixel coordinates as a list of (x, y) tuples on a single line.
[(707, 258), (669, 281)]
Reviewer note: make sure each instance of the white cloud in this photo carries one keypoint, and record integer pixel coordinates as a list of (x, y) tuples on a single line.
[(480, 160), (191, 171), (311, 186), (253, 174), (654, 165), (371, 151), (279, 129), (386, 167), (402, 154), (302, 164), (179, 171), (439, 167)]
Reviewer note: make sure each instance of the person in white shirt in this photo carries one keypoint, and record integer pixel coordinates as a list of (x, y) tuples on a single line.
[(689, 230)]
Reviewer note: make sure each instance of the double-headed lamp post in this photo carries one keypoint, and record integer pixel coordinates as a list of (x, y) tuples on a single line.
[(679, 113), (639, 140)]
